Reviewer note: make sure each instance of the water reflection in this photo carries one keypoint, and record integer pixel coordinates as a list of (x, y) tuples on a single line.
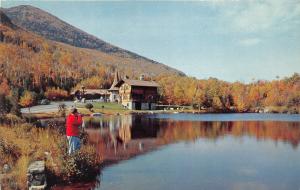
[(216, 157), (121, 137), (126, 130)]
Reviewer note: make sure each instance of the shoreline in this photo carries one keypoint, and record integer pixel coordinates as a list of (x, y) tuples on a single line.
[(54, 115), (148, 146)]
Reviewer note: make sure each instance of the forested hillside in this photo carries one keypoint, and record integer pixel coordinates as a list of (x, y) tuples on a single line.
[(34, 63), (50, 27)]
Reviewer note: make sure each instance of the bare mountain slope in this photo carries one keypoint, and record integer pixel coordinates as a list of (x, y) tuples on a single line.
[(4, 20), (44, 24)]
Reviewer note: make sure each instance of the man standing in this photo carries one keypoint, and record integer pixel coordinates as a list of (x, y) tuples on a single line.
[(73, 123)]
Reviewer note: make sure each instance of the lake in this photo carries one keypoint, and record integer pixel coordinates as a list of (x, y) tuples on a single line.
[(199, 151)]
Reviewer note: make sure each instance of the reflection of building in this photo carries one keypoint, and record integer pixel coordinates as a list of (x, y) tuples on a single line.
[(125, 129), (138, 94)]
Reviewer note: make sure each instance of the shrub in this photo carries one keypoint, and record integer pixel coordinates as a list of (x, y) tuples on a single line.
[(27, 99), (56, 94), (57, 125), (15, 108), (30, 118), (12, 119), (293, 110), (89, 106), (5, 105), (82, 165), (9, 151), (62, 108)]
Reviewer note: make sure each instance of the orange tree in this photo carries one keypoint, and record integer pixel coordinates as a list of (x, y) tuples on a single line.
[(27, 100)]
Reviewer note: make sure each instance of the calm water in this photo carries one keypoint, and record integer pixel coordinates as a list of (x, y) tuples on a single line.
[(224, 151)]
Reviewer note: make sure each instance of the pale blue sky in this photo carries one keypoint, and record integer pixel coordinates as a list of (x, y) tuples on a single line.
[(229, 40)]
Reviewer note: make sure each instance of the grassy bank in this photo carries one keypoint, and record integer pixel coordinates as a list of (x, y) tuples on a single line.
[(114, 108), (102, 107), (23, 143)]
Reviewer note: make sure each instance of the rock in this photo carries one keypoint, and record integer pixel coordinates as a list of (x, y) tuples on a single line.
[(6, 168), (36, 175), (36, 167)]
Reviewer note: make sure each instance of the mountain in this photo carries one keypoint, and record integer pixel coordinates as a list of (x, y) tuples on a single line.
[(4, 20), (30, 61), (50, 27)]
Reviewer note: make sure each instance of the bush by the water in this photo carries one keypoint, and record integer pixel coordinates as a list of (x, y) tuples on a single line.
[(82, 165)]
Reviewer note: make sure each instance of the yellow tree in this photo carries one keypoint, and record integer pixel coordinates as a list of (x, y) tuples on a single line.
[(217, 103), (27, 100), (254, 95), (240, 96)]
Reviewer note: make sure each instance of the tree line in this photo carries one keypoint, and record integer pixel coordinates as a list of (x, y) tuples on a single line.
[(282, 95)]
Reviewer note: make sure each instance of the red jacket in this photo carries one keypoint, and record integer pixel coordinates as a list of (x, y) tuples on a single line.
[(74, 121)]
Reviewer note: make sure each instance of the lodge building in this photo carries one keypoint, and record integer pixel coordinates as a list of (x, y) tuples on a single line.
[(138, 94), (132, 94)]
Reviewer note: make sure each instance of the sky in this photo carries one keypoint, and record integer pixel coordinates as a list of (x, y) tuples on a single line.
[(229, 40)]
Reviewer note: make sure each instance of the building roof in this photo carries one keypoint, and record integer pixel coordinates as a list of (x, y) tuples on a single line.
[(137, 83), (115, 82)]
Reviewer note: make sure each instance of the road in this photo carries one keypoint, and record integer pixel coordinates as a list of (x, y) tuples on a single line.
[(52, 107)]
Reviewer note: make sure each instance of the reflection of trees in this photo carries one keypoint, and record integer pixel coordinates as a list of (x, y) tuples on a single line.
[(191, 130), (110, 132)]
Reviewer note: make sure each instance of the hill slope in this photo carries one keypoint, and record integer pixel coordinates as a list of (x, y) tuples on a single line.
[(29, 61), (44, 24), (4, 20)]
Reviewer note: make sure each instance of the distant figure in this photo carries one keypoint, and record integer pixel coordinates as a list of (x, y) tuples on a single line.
[(73, 123)]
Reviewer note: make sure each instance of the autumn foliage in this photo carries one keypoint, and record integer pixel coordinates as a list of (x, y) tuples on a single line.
[(101, 81), (237, 96), (56, 94), (27, 99)]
